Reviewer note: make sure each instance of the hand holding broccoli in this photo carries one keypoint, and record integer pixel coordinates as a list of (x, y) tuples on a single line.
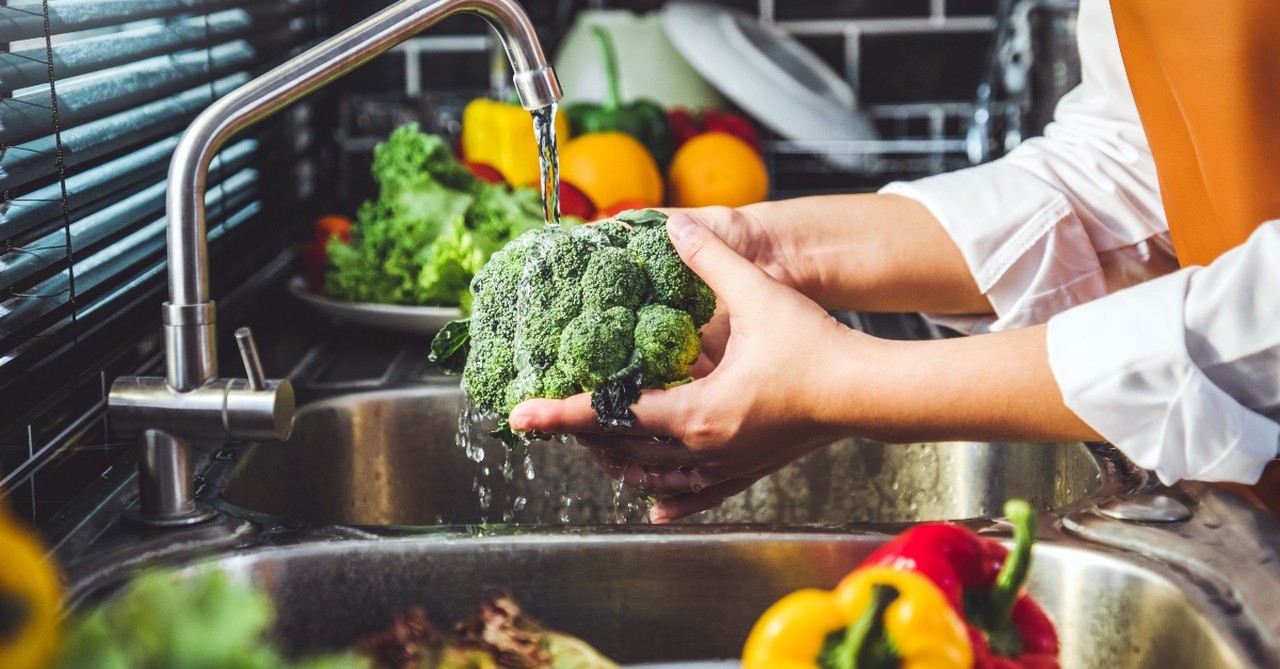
[(608, 308), (783, 387)]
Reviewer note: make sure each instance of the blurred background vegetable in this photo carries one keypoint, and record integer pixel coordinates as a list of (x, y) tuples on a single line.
[(165, 620), (500, 135), (687, 124), (315, 258), (30, 598), (643, 119), (432, 226)]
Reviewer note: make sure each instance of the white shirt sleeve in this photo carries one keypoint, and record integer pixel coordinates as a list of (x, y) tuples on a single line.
[(1182, 373), (1065, 218)]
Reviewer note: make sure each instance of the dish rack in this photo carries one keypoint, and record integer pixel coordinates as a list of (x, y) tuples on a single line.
[(916, 140)]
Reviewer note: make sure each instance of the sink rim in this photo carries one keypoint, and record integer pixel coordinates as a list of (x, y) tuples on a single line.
[(1245, 636), (1117, 474)]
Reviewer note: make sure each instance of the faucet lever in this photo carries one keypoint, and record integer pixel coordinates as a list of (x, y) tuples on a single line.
[(252, 362)]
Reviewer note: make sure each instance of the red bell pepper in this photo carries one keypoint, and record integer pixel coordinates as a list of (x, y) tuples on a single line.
[(983, 581), (315, 258), (686, 125), (714, 120)]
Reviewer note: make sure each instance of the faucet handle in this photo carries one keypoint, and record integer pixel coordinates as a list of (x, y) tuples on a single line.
[(252, 362)]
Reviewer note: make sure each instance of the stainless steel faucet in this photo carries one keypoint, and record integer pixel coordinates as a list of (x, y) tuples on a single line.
[(191, 402)]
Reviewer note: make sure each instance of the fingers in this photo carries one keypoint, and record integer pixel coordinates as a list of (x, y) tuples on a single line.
[(656, 479), (682, 506), (566, 416), (733, 278), (658, 413)]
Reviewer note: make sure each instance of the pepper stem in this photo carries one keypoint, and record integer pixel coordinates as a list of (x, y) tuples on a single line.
[(1013, 574), (613, 92), (864, 645)]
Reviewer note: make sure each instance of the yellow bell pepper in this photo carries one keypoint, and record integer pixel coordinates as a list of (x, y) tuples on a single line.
[(877, 617), (501, 135), (30, 599)]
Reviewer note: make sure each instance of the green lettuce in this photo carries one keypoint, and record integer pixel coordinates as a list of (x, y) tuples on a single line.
[(431, 228)]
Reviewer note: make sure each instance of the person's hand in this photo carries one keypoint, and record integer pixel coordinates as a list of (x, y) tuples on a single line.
[(768, 401)]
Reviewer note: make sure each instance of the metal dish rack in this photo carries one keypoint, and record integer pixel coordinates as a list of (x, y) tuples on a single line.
[(917, 139)]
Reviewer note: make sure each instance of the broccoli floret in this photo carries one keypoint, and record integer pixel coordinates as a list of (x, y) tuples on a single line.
[(667, 343), (613, 279), (596, 345), (604, 233), (490, 369), (608, 308), (672, 282)]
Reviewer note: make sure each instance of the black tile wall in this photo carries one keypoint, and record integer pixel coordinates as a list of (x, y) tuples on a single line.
[(922, 67), (849, 9)]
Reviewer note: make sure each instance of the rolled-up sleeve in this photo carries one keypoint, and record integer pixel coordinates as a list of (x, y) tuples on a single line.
[(1065, 218), (1182, 373)]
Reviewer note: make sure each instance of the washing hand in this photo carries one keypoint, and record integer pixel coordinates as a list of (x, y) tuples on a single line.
[(760, 401)]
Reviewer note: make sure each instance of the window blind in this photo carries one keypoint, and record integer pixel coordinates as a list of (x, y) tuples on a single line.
[(93, 97)]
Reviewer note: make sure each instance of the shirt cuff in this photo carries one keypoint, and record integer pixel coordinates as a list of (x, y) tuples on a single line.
[(1027, 250), (1123, 367)]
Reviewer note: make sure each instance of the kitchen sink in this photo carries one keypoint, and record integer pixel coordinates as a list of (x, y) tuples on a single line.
[(395, 457), (693, 594)]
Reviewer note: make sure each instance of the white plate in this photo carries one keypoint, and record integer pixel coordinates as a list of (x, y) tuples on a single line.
[(400, 318), (766, 72)]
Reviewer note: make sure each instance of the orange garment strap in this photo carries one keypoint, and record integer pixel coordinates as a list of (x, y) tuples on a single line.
[(1206, 80)]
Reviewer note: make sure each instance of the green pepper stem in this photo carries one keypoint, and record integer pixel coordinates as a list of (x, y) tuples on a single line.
[(1013, 574), (862, 636), (613, 92)]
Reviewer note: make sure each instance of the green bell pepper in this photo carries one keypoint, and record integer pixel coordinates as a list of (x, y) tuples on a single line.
[(643, 119)]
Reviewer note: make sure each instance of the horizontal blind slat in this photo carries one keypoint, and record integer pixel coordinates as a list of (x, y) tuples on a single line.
[(43, 205), (25, 20), (27, 162), (87, 188), (30, 67), (28, 116), (146, 284), (21, 312), (30, 259)]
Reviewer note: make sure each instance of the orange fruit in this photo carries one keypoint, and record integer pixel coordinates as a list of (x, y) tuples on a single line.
[(610, 167), (716, 168)]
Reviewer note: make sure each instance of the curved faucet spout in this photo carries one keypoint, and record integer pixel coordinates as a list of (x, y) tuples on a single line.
[(189, 313)]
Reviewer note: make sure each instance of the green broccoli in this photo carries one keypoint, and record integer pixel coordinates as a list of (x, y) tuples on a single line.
[(667, 342), (607, 308)]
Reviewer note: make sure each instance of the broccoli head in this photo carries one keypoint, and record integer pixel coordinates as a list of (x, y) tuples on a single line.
[(607, 308)]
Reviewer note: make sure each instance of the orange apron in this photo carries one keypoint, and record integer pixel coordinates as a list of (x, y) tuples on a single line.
[(1206, 80)]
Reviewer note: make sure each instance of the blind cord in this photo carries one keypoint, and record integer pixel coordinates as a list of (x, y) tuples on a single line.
[(62, 179)]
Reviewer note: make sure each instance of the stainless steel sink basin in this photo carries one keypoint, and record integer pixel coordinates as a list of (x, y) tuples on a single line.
[(685, 596), (394, 458)]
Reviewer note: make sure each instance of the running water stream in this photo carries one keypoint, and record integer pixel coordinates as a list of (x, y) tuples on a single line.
[(544, 131), (507, 494)]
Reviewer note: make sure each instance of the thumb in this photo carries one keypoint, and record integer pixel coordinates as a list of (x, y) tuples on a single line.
[(731, 277)]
